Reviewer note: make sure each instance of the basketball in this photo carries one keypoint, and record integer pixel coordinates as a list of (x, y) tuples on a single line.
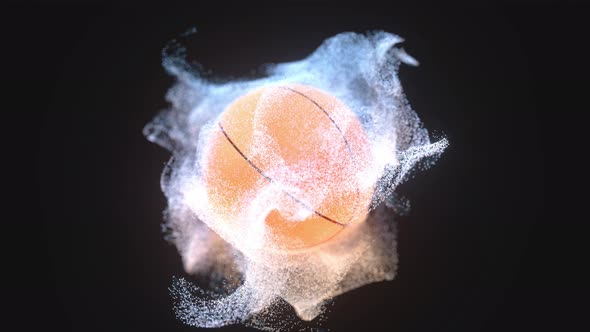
[(290, 157)]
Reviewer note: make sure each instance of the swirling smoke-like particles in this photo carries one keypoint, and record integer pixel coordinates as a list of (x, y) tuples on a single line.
[(281, 189)]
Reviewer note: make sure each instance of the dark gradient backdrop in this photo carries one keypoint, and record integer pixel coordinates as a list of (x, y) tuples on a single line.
[(89, 78)]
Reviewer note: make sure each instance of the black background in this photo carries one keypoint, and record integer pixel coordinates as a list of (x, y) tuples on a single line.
[(83, 81)]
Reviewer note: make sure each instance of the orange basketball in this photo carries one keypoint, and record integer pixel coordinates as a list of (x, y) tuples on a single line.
[(307, 147)]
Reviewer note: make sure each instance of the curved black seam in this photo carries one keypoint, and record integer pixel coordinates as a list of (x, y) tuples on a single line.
[(337, 128), (269, 179), (329, 117)]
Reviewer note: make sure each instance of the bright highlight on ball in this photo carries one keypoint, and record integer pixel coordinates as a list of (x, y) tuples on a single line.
[(301, 140)]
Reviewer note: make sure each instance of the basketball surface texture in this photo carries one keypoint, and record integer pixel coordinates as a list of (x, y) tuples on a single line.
[(288, 159)]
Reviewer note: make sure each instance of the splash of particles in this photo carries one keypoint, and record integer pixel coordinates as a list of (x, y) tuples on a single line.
[(281, 189)]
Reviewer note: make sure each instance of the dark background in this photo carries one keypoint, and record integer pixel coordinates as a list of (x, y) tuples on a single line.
[(89, 254)]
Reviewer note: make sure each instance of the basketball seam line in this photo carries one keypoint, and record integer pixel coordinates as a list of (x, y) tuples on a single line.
[(341, 134), (328, 115), (269, 179)]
